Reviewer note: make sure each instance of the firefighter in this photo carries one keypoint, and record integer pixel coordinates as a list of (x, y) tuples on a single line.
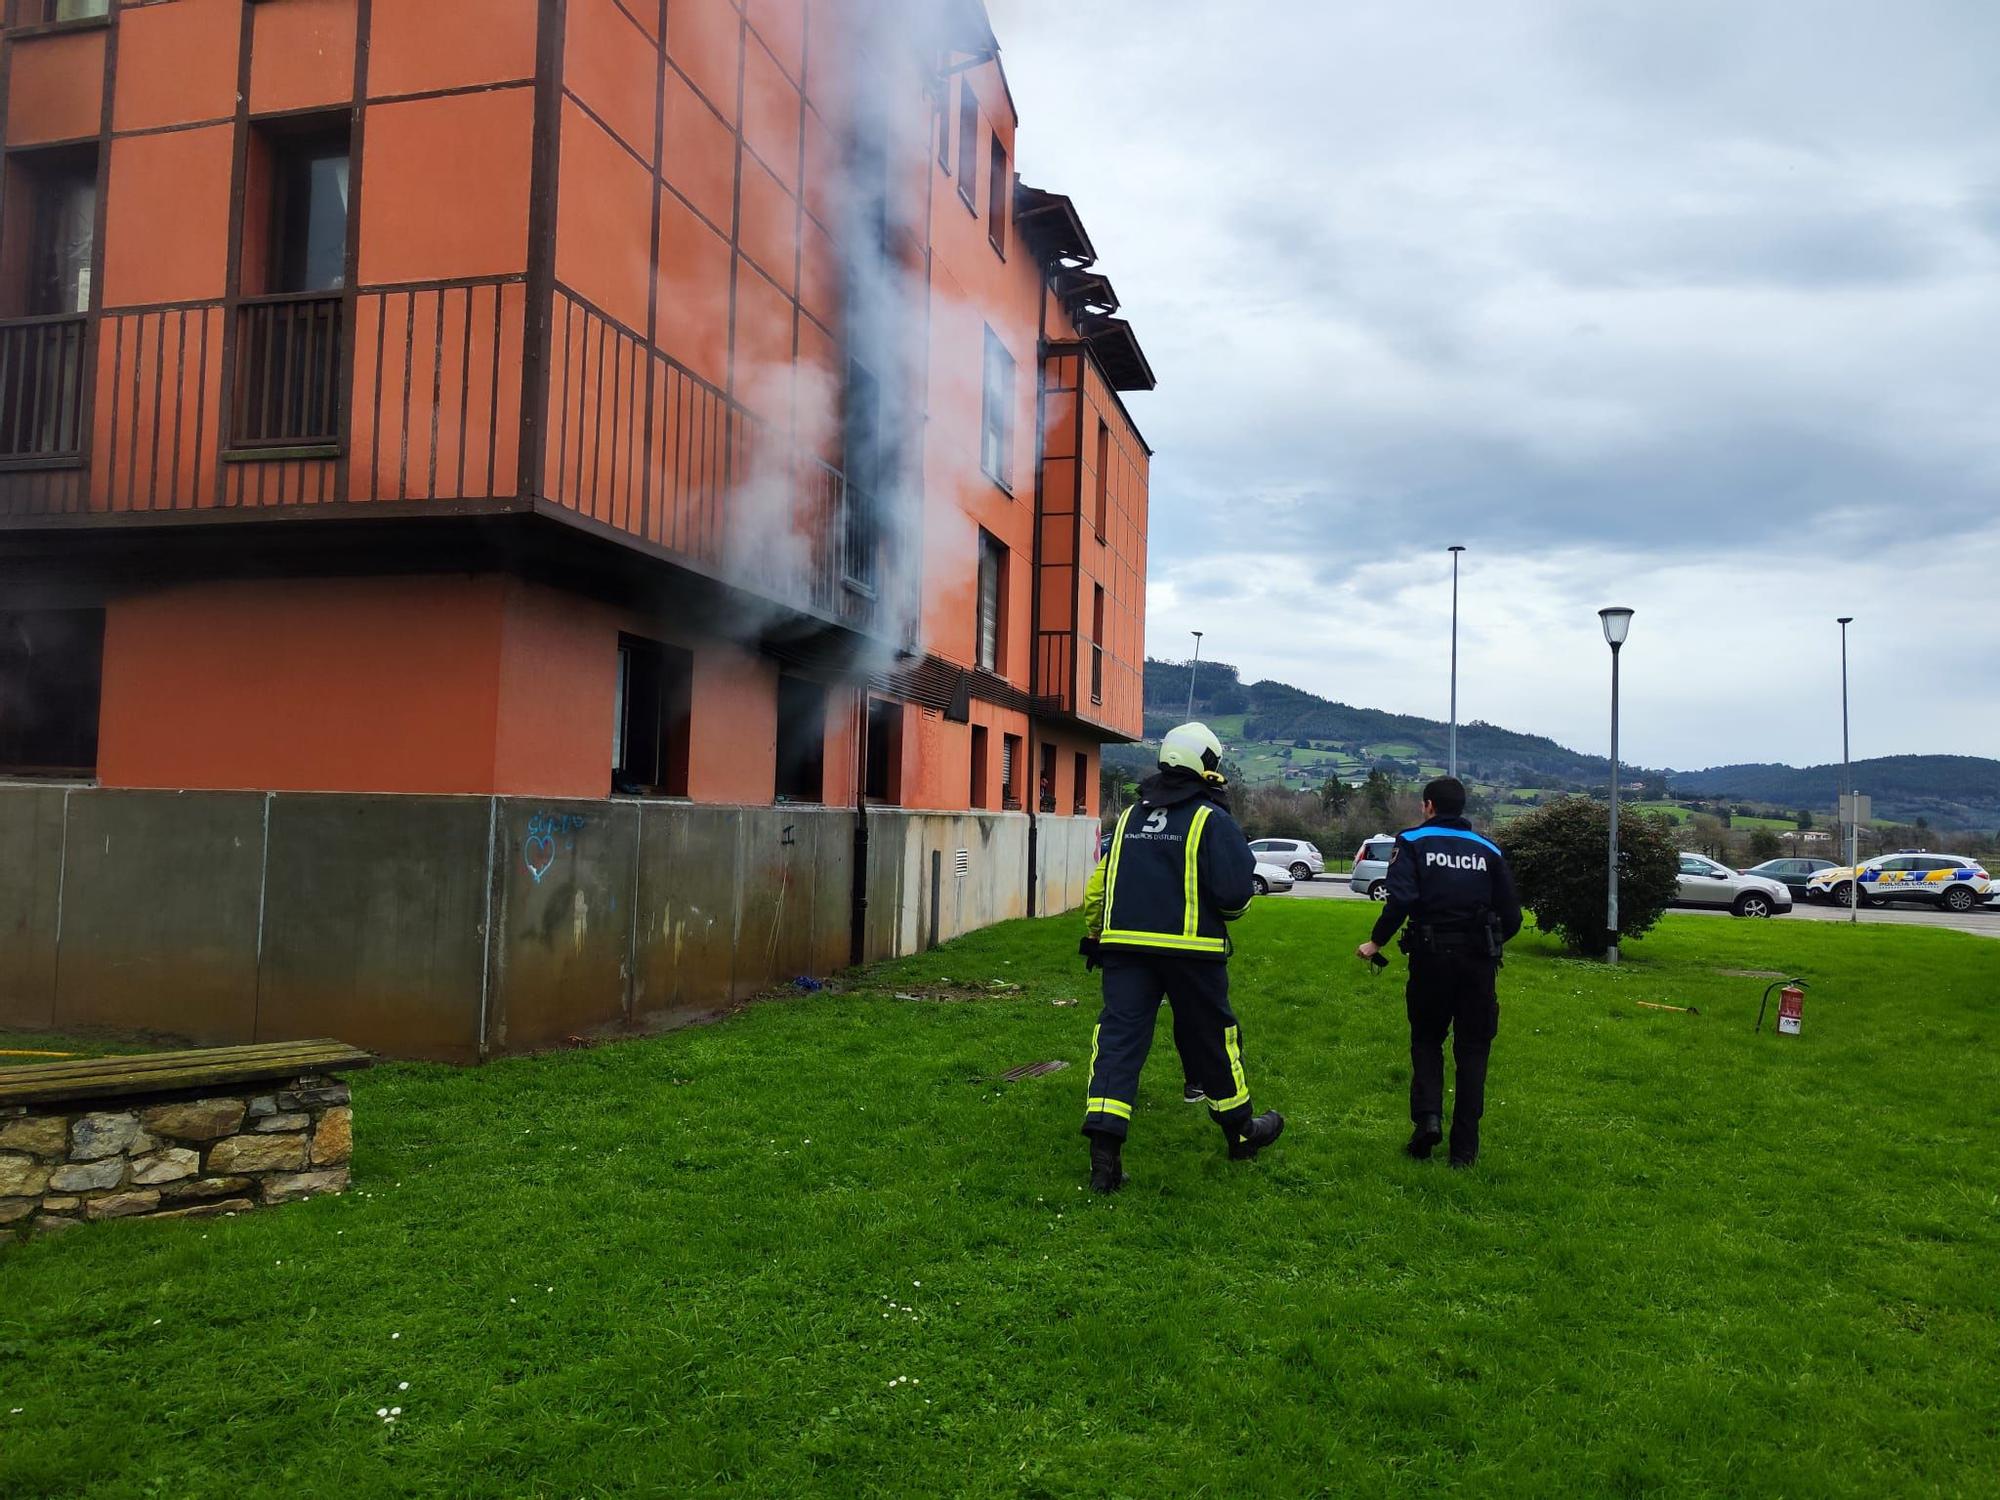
[(1454, 889), (1178, 869)]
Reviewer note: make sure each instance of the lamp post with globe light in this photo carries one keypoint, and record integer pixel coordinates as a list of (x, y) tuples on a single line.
[(1617, 622)]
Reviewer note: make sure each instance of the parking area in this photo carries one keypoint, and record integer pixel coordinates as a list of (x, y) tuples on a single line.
[(1983, 922)]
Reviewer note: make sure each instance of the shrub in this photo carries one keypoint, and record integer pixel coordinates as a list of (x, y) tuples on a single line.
[(1558, 856)]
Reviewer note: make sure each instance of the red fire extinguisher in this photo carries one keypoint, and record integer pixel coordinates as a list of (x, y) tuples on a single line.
[(1791, 1006)]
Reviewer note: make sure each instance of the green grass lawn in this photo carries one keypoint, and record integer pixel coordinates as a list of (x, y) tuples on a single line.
[(816, 1250)]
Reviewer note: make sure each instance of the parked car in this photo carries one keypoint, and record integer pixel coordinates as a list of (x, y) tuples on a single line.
[(1794, 874), (1371, 867), (1950, 881), (1706, 883), (1268, 878), (1303, 859)]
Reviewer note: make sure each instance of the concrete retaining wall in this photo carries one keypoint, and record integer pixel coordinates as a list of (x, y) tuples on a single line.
[(462, 927)]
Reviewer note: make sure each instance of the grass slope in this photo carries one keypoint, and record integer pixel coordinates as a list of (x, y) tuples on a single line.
[(1692, 1260)]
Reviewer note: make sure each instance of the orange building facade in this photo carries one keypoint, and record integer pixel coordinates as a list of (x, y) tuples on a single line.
[(674, 399)]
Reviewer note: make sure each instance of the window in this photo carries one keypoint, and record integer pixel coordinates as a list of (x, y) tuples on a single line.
[(992, 652), (996, 198), (861, 462), (968, 134), (51, 669), (51, 216), (1081, 801), (51, 12), (801, 741), (1047, 782), (996, 428), (1097, 643), (295, 206), (649, 718), (294, 267), (1010, 770), (1103, 476), (884, 755), (978, 797), (45, 268)]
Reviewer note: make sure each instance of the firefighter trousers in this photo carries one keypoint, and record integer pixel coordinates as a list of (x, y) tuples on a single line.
[(1205, 1033), (1452, 993)]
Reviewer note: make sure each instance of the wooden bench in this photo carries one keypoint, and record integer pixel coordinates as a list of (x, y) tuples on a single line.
[(217, 1130)]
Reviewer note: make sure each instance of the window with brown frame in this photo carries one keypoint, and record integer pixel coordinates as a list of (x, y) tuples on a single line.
[(977, 797), (56, 12), (968, 141), (992, 640), (650, 719), (51, 672), (1010, 771), (294, 267), (996, 198), (801, 771), (996, 426), (1080, 802), (883, 760), (1103, 514), (46, 256), (1097, 643)]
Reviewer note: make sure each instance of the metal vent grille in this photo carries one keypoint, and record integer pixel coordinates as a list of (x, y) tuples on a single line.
[(961, 863)]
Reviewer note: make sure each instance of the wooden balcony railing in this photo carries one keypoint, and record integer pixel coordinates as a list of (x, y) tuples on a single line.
[(287, 378), (41, 389)]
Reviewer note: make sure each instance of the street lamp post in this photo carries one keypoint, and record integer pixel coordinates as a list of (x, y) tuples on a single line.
[(1453, 771), (1191, 671), (1617, 625), (1847, 786)]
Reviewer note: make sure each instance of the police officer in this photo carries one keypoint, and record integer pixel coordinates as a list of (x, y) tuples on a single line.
[(1177, 870), (1457, 894)]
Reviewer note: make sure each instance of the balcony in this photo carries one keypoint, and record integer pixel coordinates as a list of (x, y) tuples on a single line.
[(41, 391), (287, 375)]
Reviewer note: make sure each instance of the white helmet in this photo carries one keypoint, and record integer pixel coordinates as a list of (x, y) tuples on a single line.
[(1193, 747)]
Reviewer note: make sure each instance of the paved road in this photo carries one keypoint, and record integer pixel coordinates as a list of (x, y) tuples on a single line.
[(1984, 922)]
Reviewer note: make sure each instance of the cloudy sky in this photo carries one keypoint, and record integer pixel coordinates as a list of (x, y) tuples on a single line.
[(1691, 306)]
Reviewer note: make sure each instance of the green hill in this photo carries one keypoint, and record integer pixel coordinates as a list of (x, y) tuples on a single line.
[(1273, 729)]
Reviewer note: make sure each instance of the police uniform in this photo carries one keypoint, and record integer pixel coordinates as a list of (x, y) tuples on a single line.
[(1177, 871), (1454, 889)]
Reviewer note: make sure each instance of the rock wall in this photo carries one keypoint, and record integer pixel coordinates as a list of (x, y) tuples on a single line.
[(459, 928), (216, 1152)]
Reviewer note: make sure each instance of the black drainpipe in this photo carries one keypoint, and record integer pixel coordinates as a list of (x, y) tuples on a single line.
[(857, 931)]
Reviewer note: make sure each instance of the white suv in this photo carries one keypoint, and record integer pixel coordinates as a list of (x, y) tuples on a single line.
[(1948, 880), (1302, 859)]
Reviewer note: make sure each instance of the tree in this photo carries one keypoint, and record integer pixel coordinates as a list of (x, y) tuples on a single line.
[(1116, 790), (1707, 835), (1558, 854), (1653, 788), (1805, 820), (1764, 845), (1335, 796), (1379, 790)]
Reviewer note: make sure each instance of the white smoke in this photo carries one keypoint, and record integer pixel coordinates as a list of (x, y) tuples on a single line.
[(884, 100)]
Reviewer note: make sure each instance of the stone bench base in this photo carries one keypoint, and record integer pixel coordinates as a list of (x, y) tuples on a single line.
[(211, 1151)]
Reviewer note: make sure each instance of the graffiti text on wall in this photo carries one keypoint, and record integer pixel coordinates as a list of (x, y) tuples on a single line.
[(548, 835)]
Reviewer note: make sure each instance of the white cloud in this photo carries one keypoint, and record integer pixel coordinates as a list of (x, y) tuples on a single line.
[(1690, 303)]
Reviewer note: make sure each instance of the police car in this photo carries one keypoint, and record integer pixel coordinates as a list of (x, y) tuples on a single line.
[(1950, 881)]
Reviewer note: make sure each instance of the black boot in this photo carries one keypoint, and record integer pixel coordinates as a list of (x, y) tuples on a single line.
[(1258, 1134), (1424, 1138), (1107, 1174)]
